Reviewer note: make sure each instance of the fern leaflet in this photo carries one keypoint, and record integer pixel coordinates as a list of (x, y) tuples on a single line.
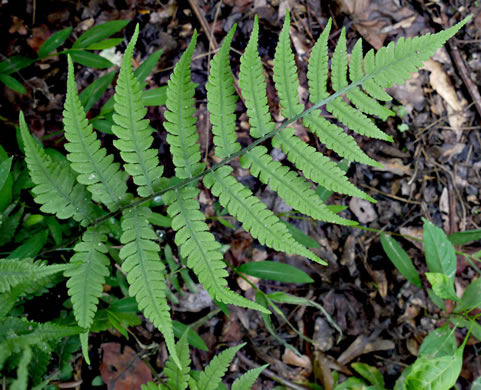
[(318, 68), (252, 83), (178, 378), (135, 138), (289, 185), (255, 217), (221, 101), (180, 122), (87, 274), (211, 377), (145, 272), (96, 169), (55, 185), (285, 74), (16, 272), (314, 165), (248, 379), (21, 382), (199, 246)]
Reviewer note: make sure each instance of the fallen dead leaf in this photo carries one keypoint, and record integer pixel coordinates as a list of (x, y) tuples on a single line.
[(396, 166), (362, 345), (442, 84), (363, 210), (122, 369), (293, 359)]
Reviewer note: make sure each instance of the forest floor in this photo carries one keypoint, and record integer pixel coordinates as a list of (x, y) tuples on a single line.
[(431, 170)]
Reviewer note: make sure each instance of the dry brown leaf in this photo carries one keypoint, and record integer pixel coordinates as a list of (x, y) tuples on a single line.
[(362, 345), (396, 166), (293, 359), (363, 210), (442, 84), (123, 370)]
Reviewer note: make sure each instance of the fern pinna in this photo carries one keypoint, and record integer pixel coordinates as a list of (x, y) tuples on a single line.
[(93, 175)]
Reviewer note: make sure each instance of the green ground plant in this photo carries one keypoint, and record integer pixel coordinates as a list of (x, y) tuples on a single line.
[(92, 189)]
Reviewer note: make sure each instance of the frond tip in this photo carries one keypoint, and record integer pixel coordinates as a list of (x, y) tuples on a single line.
[(135, 138)]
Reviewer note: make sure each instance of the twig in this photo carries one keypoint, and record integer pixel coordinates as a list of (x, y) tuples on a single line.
[(463, 71), (244, 359)]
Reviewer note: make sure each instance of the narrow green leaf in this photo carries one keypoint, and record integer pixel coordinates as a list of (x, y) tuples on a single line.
[(471, 298), (272, 270), (440, 254), (99, 32), (160, 220), (14, 64), (105, 44), (12, 83), (461, 238), (5, 167), (93, 60), (90, 95), (443, 286), (155, 96), (192, 337), (400, 259), (301, 237), (54, 42), (147, 66), (31, 247), (247, 380)]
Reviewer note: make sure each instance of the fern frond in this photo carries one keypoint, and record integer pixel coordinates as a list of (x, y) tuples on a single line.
[(199, 246), (145, 272), (135, 138), (336, 139), (316, 166), (55, 186), (252, 83), (318, 67), (248, 379), (355, 120), (96, 169), (87, 274), (291, 187), (21, 382), (180, 122), (285, 73), (14, 272), (178, 378), (19, 333), (211, 377), (221, 101), (255, 217)]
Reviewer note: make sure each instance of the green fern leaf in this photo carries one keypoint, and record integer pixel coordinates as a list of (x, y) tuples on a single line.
[(21, 382), (96, 169), (339, 64), (336, 139), (255, 217), (199, 246), (16, 272), (248, 379), (211, 377), (178, 378), (363, 102), (221, 101), (180, 122), (87, 274), (285, 74), (145, 272), (318, 67), (135, 138), (315, 166), (289, 185), (252, 83), (55, 185), (355, 120)]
